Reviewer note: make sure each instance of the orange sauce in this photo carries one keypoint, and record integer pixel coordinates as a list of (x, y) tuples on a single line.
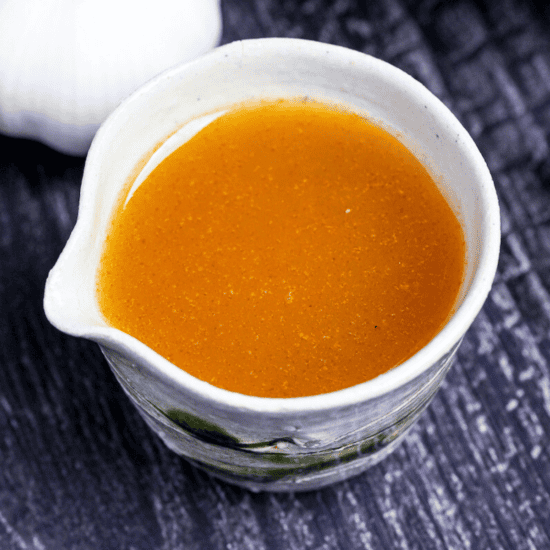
[(289, 248)]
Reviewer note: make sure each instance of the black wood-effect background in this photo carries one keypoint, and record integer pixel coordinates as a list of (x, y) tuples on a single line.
[(80, 470)]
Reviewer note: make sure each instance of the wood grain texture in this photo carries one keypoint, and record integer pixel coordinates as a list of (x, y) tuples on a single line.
[(80, 470)]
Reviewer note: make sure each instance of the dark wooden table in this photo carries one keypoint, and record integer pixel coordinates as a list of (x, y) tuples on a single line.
[(80, 470)]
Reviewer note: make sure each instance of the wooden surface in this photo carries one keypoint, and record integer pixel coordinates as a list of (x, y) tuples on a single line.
[(80, 470)]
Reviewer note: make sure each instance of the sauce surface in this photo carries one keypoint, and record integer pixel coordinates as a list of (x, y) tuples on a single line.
[(288, 249)]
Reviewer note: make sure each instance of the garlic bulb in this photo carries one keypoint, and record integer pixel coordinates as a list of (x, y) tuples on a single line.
[(66, 64)]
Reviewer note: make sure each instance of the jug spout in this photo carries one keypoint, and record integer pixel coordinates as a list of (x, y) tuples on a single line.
[(69, 300)]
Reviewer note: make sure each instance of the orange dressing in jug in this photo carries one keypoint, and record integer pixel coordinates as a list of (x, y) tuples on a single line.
[(290, 248)]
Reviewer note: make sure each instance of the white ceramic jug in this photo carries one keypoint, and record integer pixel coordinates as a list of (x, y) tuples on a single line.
[(264, 443)]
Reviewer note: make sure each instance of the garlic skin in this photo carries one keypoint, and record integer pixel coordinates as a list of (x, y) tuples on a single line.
[(66, 64)]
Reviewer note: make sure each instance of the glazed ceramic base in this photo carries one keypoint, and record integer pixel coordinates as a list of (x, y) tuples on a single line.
[(296, 463)]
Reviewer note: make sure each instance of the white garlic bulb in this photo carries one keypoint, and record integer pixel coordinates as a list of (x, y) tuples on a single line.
[(66, 64)]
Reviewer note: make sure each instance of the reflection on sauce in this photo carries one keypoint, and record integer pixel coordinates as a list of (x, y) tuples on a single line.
[(288, 249)]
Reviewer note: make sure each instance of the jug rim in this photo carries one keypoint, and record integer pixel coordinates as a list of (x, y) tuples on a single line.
[(396, 377)]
